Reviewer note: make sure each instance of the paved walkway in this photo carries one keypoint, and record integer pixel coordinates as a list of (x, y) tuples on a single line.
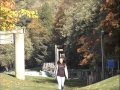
[(30, 73)]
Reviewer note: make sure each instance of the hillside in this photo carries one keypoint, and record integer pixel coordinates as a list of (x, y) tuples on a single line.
[(8, 82), (112, 83)]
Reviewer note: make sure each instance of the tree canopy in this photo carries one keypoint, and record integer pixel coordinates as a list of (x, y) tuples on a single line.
[(76, 25)]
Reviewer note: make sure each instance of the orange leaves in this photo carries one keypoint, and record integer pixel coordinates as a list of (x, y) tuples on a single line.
[(110, 2), (85, 43), (80, 50), (35, 24), (10, 16), (110, 16), (107, 1), (8, 4), (112, 19), (37, 27), (111, 25), (87, 59)]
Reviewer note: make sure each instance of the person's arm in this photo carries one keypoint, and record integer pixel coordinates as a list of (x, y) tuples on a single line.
[(66, 71)]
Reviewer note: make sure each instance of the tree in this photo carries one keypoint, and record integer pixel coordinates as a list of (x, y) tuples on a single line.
[(82, 19), (7, 53), (9, 16), (75, 20), (39, 37), (46, 16), (111, 26), (28, 47), (110, 9), (58, 33)]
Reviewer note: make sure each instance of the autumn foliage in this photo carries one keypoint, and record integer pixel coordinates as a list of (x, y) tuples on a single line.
[(9, 16), (112, 19), (8, 4), (111, 23), (110, 12)]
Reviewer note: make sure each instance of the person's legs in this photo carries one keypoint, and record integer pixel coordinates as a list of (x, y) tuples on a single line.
[(62, 82), (59, 82)]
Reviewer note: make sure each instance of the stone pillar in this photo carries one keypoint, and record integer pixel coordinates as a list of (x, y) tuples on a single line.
[(19, 57), (56, 54)]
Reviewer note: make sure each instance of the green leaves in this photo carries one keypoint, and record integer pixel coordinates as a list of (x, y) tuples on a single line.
[(7, 55), (46, 16)]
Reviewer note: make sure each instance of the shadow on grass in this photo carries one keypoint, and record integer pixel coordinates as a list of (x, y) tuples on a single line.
[(74, 83), (69, 83), (35, 69), (45, 81), (11, 75)]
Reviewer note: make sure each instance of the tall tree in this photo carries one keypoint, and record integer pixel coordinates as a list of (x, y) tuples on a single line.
[(111, 26), (7, 53), (59, 34), (40, 37), (82, 21), (46, 16), (9, 16)]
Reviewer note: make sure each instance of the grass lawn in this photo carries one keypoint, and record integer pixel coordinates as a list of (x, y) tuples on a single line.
[(112, 83), (8, 82)]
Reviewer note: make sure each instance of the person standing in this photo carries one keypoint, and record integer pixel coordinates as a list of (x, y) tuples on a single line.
[(61, 73)]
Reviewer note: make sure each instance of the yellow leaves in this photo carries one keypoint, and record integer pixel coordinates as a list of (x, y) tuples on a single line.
[(28, 13), (9, 16), (8, 4), (36, 28), (36, 25)]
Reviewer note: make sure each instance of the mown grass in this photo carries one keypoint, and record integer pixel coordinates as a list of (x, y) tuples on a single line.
[(31, 83), (8, 82), (112, 83)]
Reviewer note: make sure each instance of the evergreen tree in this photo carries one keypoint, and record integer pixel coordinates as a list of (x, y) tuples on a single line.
[(46, 16), (7, 53), (39, 37)]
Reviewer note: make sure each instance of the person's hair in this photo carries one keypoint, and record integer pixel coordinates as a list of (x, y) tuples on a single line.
[(63, 60)]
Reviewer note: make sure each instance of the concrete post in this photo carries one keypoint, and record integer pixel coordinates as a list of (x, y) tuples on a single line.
[(19, 57), (56, 54)]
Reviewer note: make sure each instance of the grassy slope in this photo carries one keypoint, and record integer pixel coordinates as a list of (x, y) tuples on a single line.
[(8, 82), (31, 83), (112, 83)]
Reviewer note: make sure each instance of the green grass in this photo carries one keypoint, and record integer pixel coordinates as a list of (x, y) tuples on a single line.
[(112, 83), (8, 82), (31, 83)]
